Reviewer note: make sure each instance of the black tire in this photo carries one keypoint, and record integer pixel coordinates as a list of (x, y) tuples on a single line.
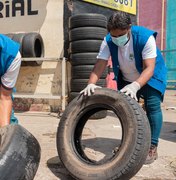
[(78, 85), (84, 71), (135, 137), (33, 47), (83, 46), (87, 19), (19, 39), (83, 58), (84, 33), (10, 35), (72, 95), (20, 153), (97, 115)]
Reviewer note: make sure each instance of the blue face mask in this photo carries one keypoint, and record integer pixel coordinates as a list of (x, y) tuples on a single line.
[(120, 41)]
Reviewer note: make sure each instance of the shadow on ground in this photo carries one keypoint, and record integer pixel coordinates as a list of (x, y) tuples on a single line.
[(96, 147), (168, 132), (58, 169)]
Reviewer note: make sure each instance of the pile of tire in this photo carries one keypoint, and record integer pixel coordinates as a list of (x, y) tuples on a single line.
[(31, 46), (86, 32)]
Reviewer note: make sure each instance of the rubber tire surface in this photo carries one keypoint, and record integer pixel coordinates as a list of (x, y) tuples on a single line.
[(19, 153), (84, 71), (97, 115), (84, 33), (83, 58), (83, 46), (87, 19), (33, 47), (78, 85), (135, 139)]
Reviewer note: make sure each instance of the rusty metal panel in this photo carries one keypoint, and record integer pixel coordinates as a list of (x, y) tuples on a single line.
[(150, 16)]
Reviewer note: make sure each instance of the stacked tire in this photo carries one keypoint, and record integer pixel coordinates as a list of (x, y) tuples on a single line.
[(86, 32), (31, 46)]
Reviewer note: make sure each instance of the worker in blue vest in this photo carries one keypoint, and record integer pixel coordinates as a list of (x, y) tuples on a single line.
[(139, 69), (10, 61)]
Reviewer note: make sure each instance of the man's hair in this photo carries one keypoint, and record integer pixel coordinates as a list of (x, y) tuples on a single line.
[(119, 20)]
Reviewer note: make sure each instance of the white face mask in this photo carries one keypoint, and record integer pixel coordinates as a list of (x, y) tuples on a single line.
[(120, 41)]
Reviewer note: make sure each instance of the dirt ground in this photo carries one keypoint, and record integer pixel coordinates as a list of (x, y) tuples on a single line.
[(44, 127)]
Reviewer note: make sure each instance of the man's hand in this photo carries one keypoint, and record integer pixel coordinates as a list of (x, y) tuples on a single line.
[(90, 89), (5, 106), (131, 89)]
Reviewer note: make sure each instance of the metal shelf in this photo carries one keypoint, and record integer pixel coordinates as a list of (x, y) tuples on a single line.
[(42, 59), (36, 96)]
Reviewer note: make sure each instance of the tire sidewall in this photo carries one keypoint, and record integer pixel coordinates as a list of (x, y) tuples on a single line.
[(129, 125)]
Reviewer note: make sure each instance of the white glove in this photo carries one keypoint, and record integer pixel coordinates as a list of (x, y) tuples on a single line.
[(131, 89), (90, 88)]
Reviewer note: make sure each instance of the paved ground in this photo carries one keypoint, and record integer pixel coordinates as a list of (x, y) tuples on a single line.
[(44, 126)]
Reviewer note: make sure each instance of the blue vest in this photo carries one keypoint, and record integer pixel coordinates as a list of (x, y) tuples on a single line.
[(8, 52), (140, 37)]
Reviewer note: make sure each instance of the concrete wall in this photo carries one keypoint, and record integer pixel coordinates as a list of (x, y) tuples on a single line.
[(46, 79), (47, 19)]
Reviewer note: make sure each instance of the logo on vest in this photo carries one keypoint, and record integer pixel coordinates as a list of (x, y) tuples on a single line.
[(131, 57)]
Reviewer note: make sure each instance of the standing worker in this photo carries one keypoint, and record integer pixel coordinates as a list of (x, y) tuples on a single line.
[(139, 69), (10, 61)]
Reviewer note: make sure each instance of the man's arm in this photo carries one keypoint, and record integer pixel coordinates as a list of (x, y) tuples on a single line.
[(8, 80), (97, 71), (147, 73), (148, 66), (99, 67), (94, 77), (5, 106), (149, 57)]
